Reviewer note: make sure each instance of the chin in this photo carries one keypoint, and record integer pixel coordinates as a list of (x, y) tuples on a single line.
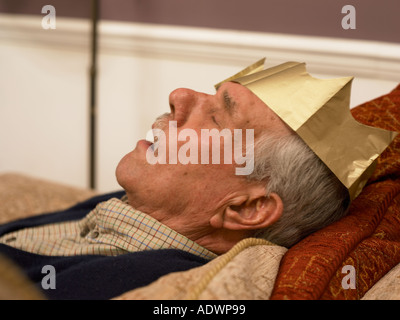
[(122, 170), (118, 175), (131, 170)]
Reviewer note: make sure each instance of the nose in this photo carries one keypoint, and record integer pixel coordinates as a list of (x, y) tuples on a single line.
[(182, 101)]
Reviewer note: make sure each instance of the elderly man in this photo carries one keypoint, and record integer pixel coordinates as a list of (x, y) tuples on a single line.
[(216, 208), (176, 216)]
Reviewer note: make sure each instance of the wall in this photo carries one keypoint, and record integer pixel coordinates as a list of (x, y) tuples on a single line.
[(376, 20), (43, 101), (44, 78)]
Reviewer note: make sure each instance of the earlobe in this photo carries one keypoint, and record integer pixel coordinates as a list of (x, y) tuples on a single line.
[(257, 214)]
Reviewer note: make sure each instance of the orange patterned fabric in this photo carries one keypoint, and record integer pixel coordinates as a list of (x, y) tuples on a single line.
[(368, 238)]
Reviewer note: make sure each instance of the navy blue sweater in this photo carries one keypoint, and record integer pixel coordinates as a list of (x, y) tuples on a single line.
[(94, 276)]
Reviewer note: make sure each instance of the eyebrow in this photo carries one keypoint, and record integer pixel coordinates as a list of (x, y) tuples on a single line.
[(229, 103)]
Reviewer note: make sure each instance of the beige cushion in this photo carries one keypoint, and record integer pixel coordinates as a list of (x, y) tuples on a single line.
[(387, 288), (22, 196), (247, 271)]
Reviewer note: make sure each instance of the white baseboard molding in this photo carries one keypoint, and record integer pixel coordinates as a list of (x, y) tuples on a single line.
[(332, 56), (322, 55)]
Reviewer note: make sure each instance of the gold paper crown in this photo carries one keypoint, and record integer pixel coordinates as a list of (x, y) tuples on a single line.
[(318, 111)]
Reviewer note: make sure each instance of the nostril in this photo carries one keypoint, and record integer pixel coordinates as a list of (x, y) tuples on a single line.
[(172, 107)]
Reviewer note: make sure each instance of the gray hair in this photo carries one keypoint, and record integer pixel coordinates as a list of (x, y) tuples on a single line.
[(312, 195)]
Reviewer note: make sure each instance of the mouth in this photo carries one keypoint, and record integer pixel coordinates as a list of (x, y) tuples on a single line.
[(152, 140)]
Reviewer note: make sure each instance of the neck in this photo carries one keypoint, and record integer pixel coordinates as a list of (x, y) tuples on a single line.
[(199, 230), (220, 240)]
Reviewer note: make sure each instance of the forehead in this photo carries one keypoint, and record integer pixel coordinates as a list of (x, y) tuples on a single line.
[(238, 91), (251, 109)]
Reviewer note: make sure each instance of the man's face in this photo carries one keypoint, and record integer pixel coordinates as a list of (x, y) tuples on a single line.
[(176, 190)]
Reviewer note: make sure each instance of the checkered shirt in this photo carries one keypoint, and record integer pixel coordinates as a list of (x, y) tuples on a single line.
[(112, 228)]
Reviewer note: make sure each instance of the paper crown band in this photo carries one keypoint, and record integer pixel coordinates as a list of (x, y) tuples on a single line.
[(318, 111)]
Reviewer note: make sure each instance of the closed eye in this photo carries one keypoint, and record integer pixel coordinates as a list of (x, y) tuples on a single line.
[(215, 121)]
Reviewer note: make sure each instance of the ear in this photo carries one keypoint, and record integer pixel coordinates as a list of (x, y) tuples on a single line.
[(250, 213)]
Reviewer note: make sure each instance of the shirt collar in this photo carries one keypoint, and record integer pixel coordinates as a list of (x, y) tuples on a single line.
[(137, 230)]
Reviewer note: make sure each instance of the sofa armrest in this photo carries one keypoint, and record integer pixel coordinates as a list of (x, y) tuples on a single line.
[(22, 196)]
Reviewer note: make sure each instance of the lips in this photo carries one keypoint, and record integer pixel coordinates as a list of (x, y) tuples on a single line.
[(151, 140), (144, 144)]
